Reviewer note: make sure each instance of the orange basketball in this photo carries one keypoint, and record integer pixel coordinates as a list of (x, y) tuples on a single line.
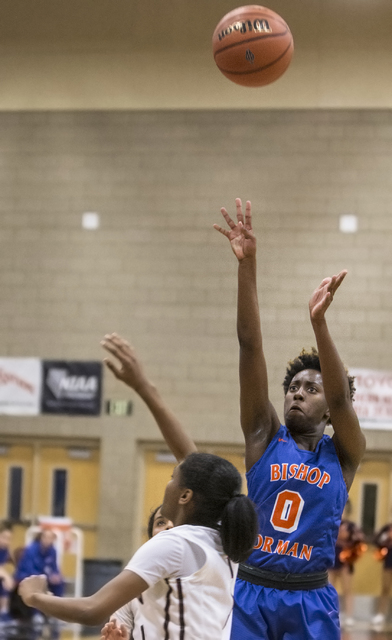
[(252, 46)]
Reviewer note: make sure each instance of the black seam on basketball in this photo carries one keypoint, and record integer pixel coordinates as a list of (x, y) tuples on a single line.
[(243, 73), (235, 44)]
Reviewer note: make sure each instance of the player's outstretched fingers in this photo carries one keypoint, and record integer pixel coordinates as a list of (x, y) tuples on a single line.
[(324, 282), (226, 216), (335, 283), (124, 631), (118, 347), (248, 215), (119, 341), (221, 230), (240, 215), (339, 278), (245, 231), (107, 344), (112, 367)]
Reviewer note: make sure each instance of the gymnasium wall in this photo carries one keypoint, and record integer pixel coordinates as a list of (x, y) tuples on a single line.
[(118, 108), (158, 273), (132, 54)]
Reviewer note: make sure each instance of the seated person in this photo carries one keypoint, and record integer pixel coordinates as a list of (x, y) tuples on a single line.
[(6, 580), (39, 558)]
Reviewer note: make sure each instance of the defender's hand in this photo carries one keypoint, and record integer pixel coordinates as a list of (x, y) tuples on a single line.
[(130, 371), (31, 586), (112, 632)]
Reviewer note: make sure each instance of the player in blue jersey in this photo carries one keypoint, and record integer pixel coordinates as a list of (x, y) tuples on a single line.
[(297, 476)]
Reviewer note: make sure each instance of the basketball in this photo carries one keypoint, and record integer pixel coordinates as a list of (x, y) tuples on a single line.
[(252, 46)]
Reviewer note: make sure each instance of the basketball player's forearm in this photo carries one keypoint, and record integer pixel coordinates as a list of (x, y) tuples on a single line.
[(336, 387), (248, 315), (171, 428), (78, 610)]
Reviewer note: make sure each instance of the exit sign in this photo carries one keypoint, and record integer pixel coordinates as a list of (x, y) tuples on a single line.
[(119, 407)]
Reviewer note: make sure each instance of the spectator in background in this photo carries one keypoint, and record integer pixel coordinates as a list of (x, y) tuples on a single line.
[(350, 545), (383, 542), (40, 558), (6, 580)]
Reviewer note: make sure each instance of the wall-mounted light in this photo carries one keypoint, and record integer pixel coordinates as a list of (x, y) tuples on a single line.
[(164, 456), (90, 220), (348, 223), (79, 453)]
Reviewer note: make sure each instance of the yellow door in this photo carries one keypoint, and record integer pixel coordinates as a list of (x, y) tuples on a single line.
[(16, 495), (158, 468), (68, 485), (50, 481)]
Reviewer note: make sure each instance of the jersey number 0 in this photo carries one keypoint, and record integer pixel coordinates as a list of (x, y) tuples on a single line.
[(287, 511)]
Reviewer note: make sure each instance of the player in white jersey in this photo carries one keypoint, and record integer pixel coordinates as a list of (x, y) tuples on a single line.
[(130, 371), (184, 575), (122, 622)]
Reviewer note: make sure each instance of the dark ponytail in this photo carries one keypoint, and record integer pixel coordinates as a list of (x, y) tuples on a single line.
[(239, 528), (218, 503)]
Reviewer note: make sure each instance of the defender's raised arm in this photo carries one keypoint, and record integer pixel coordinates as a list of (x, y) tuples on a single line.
[(132, 374)]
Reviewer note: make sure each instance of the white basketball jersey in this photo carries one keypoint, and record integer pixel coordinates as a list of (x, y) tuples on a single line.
[(195, 607)]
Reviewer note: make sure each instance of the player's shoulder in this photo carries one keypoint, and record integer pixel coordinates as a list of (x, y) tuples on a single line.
[(258, 459)]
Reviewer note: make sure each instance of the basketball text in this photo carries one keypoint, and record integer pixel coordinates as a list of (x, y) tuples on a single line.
[(284, 547), (301, 472), (259, 26)]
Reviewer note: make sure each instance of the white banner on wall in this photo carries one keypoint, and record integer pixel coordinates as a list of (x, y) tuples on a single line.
[(373, 398), (20, 386)]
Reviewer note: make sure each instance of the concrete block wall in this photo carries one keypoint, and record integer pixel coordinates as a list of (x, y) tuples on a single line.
[(158, 273)]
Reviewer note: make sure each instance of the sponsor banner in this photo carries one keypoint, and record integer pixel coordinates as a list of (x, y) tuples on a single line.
[(71, 387), (20, 386), (373, 398)]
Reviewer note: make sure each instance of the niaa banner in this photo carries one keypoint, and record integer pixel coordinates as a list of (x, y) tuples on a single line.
[(71, 387), (20, 386), (373, 398)]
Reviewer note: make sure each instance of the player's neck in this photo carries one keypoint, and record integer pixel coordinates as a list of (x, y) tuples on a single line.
[(306, 441)]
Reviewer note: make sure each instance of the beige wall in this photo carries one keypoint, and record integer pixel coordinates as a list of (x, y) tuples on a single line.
[(161, 141), (122, 54), (158, 273)]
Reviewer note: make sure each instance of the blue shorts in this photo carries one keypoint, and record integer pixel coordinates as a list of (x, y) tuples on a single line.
[(262, 613)]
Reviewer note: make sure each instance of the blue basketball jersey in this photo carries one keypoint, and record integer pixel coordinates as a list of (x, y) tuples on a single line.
[(300, 496), (4, 556)]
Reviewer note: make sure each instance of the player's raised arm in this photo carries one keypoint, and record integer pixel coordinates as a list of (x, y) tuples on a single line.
[(348, 437), (131, 372), (259, 421)]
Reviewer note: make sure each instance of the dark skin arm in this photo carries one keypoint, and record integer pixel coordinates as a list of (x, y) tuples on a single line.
[(92, 610), (348, 437), (259, 421), (132, 374)]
